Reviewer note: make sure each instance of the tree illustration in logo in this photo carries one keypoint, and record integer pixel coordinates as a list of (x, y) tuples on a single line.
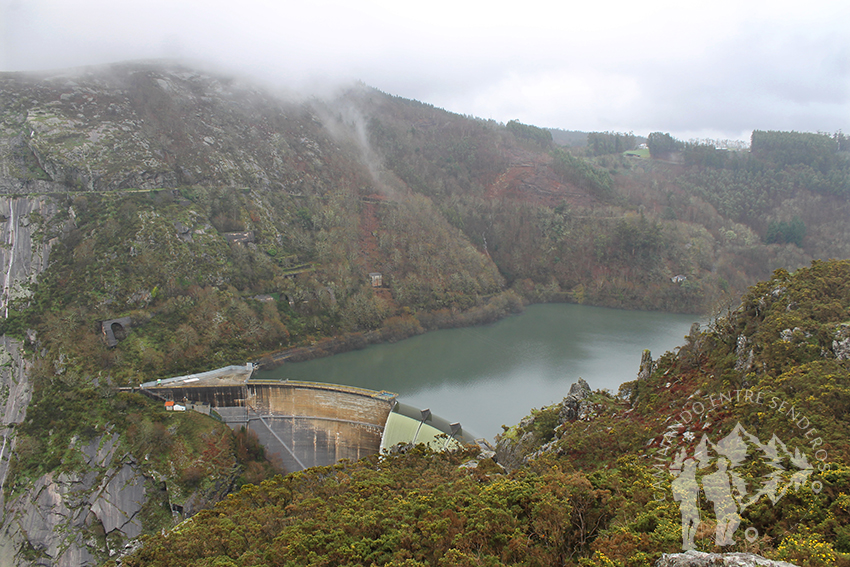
[(712, 469)]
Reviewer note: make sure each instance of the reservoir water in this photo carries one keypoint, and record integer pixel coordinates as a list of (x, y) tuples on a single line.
[(495, 374)]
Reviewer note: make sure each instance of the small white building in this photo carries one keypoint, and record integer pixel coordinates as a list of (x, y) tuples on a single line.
[(171, 406)]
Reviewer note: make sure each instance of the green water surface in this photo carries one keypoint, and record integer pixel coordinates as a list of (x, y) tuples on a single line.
[(495, 374)]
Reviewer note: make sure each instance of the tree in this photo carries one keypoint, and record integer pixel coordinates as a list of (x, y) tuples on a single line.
[(532, 133), (704, 155), (580, 172), (843, 141), (661, 144), (603, 143), (782, 232), (796, 148)]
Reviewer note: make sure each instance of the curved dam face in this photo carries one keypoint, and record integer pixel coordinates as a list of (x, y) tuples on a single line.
[(304, 424), (312, 424)]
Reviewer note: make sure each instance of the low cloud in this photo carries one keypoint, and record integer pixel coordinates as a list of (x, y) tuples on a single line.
[(721, 67)]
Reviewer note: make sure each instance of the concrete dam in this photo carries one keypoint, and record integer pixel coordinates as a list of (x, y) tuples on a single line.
[(308, 424)]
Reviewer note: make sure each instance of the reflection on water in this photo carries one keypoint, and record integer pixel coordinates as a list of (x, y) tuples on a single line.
[(492, 375)]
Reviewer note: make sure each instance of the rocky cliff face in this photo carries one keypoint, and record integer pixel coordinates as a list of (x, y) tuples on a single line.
[(64, 518), (22, 258), (23, 255), (139, 126), (117, 132)]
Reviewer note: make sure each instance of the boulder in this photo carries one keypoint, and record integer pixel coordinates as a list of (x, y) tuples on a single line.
[(571, 407), (513, 448), (700, 559)]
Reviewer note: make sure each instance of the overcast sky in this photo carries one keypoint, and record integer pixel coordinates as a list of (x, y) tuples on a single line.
[(695, 69)]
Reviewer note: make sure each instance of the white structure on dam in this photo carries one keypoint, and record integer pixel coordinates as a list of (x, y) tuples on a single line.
[(309, 424)]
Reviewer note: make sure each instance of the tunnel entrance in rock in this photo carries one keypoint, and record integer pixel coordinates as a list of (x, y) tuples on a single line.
[(115, 330), (118, 331)]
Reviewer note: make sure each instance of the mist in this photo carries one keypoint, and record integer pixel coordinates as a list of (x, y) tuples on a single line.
[(718, 70)]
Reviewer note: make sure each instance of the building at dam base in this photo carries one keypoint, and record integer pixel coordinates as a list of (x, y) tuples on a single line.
[(308, 424)]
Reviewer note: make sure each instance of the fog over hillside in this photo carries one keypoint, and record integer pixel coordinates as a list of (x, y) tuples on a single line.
[(713, 70)]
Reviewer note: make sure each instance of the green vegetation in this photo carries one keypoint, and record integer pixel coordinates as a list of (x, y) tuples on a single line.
[(818, 151), (190, 294), (605, 143), (661, 144), (569, 138), (415, 509), (702, 156), (565, 239), (781, 232), (579, 172), (592, 496), (228, 224), (540, 136)]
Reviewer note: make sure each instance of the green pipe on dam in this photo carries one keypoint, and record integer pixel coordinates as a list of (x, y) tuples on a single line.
[(309, 424)]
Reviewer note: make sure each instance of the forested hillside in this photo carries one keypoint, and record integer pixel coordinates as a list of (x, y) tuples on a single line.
[(158, 171), (223, 222), (588, 488)]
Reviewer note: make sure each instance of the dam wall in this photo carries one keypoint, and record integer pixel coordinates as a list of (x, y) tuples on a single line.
[(309, 424), (300, 443), (303, 424), (323, 401)]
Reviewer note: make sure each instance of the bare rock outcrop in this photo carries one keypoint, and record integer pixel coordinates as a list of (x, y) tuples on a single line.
[(118, 504), (572, 406), (23, 258), (744, 355), (35, 520), (841, 342), (47, 522), (15, 395), (517, 445), (646, 365), (56, 517), (699, 559)]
